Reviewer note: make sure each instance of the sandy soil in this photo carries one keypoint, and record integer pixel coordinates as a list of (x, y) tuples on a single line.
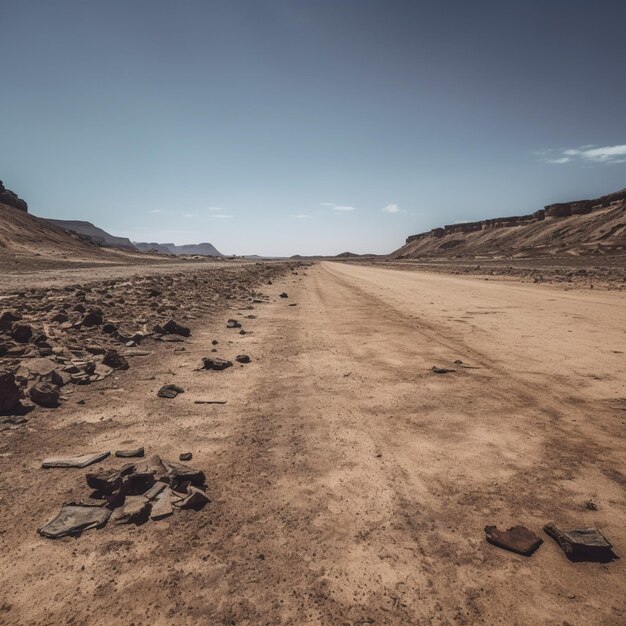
[(349, 483)]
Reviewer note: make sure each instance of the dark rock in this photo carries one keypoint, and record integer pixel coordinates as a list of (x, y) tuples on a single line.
[(114, 360), (214, 363), (60, 318), (442, 370), (233, 324), (169, 391), (109, 329), (185, 456), (7, 318), (9, 392), (516, 539), (242, 358), (11, 199), (174, 328), (45, 394), (93, 318), (22, 333), (283, 295), (582, 544)]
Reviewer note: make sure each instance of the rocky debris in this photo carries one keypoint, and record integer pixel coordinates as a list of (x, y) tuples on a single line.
[(10, 198), (114, 360), (132, 494), (174, 328), (283, 295), (517, 539), (77, 334), (80, 461), (185, 456), (233, 324), (242, 358), (45, 394), (442, 370), (582, 544), (9, 393), (133, 452), (214, 363), (169, 391)]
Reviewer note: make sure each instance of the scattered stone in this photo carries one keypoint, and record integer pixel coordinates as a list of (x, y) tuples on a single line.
[(80, 461), (233, 324), (109, 329), (9, 392), (169, 391), (135, 510), (162, 506), (293, 304), (185, 456), (214, 342), (591, 505), (174, 328), (194, 498), (209, 401), (214, 363), (242, 358), (283, 295), (133, 452), (582, 544), (74, 518), (114, 360), (45, 394), (517, 539)]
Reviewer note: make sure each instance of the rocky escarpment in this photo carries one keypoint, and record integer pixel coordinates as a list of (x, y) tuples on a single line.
[(11, 199), (97, 235), (598, 223)]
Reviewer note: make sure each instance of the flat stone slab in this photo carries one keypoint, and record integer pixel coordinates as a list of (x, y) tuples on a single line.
[(83, 460), (517, 539)]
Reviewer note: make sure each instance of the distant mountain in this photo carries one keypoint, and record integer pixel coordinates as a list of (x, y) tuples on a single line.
[(97, 234), (205, 249)]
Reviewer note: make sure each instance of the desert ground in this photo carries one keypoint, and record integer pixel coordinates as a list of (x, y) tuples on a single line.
[(348, 482)]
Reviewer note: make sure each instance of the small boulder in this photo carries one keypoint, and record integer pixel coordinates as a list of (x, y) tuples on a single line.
[(174, 328), (22, 333), (169, 391), (9, 392), (214, 363), (242, 358), (45, 394), (114, 360)]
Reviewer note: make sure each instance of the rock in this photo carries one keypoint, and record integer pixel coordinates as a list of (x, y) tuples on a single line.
[(45, 394), (233, 324), (135, 510), (22, 333), (60, 378), (242, 358), (283, 295), (442, 370), (516, 539), (174, 328), (93, 318), (11, 199), (214, 363), (60, 318), (93, 349), (185, 456), (109, 329), (582, 544), (7, 318), (169, 391), (114, 360), (133, 452), (9, 392)]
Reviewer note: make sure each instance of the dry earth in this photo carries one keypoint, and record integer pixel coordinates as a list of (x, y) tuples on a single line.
[(349, 484)]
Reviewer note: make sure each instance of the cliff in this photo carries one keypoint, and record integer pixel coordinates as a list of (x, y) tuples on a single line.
[(580, 226)]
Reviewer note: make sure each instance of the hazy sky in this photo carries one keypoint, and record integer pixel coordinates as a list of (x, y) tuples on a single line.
[(319, 126)]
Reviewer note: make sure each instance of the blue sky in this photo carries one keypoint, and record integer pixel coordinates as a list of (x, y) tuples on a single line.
[(284, 127)]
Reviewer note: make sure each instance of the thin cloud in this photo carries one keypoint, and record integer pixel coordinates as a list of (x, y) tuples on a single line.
[(301, 216), (221, 215), (338, 207), (589, 154), (391, 208), (217, 208)]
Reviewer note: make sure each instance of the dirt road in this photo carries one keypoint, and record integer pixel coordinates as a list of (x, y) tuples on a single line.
[(349, 483)]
